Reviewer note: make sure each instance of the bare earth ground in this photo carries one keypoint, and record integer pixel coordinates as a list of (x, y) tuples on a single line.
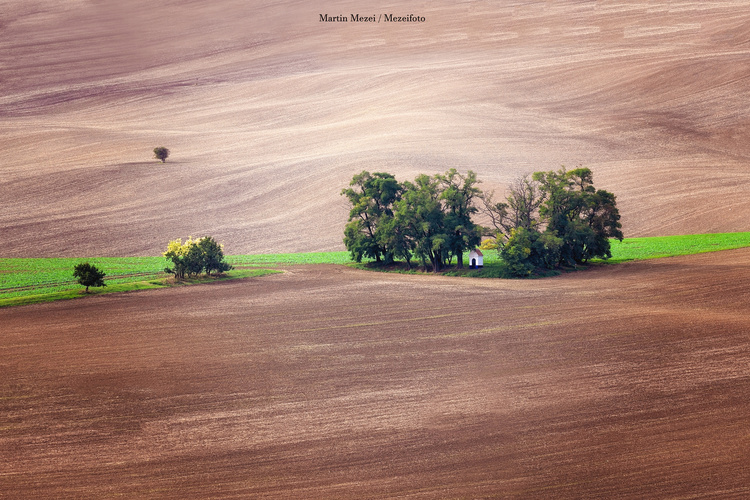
[(269, 113), (628, 381)]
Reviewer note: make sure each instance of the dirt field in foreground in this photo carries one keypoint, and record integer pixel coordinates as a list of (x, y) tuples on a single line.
[(628, 381)]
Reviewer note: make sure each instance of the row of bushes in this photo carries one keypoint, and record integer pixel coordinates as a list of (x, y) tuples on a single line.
[(195, 256), (202, 255)]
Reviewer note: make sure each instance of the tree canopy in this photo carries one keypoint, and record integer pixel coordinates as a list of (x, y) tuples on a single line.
[(195, 256), (161, 153), (429, 218), (554, 218), (548, 219), (88, 275), (458, 195), (370, 231), (585, 218)]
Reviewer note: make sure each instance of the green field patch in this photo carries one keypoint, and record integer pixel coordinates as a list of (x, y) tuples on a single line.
[(627, 250), (672, 246), (30, 280), (64, 291), (25, 277), (289, 258)]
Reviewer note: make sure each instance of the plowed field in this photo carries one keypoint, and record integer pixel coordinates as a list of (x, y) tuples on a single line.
[(627, 381), (269, 112)]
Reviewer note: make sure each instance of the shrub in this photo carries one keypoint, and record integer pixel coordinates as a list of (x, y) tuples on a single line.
[(195, 256), (528, 249), (517, 253)]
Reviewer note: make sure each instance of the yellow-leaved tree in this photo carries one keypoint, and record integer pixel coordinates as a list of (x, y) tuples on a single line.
[(195, 256)]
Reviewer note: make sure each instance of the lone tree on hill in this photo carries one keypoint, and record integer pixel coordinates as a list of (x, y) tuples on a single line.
[(88, 275), (161, 153)]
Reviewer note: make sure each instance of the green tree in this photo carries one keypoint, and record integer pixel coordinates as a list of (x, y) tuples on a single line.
[(516, 252), (585, 218), (546, 249), (177, 254), (212, 256), (394, 236), (420, 214), (430, 217), (553, 218), (604, 219), (528, 249), (458, 195), (88, 275), (161, 153), (369, 230), (194, 257)]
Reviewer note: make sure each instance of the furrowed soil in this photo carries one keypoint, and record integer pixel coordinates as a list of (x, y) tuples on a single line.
[(627, 381), (269, 112)]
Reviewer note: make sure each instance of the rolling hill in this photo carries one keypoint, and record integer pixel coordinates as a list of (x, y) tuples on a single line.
[(269, 112)]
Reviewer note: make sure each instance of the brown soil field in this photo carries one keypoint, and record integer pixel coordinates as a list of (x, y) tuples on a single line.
[(627, 381), (269, 113)]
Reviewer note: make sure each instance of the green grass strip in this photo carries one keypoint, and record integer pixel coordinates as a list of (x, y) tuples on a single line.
[(672, 246), (290, 258), (20, 277), (29, 280), (628, 249), (43, 295)]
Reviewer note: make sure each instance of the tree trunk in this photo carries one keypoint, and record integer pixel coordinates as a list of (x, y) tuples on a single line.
[(459, 260)]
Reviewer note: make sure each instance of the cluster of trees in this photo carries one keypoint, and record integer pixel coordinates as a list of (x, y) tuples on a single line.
[(195, 256), (429, 218), (188, 259), (554, 219), (548, 220)]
